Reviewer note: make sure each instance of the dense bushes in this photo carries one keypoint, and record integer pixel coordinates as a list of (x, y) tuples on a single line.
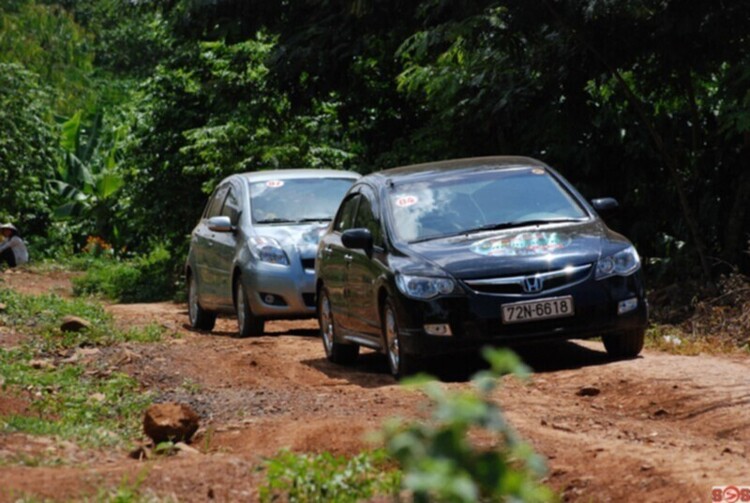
[(145, 278)]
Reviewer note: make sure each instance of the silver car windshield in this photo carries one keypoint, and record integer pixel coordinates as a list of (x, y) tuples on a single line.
[(297, 200), (464, 202)]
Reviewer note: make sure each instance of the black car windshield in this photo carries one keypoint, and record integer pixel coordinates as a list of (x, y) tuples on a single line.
[(296, 200), (458, 202)]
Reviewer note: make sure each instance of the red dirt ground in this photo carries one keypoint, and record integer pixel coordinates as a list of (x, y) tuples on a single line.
[(661, 428)]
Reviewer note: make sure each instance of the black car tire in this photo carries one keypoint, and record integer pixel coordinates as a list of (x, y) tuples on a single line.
[(335, 351), (200, 319), (401, 364), (626, 344), (249, 325)]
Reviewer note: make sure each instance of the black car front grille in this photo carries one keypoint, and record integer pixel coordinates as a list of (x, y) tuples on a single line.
[(530, 284)]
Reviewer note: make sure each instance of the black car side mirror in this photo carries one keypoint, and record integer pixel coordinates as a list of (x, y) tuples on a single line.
[(357, 238), (605, 205)]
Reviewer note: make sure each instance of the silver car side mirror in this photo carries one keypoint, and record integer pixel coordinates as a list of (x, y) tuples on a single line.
[(220, 224)]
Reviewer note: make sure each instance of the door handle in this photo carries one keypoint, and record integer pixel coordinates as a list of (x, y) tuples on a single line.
[(348, 258)]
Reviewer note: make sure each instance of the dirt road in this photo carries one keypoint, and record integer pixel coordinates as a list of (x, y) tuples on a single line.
[(657, 428)]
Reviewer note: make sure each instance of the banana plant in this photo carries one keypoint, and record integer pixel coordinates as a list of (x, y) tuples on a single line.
[(88, 176)]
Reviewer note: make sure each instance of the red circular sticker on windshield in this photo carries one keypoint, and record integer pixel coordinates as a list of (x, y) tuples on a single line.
[(274, 184), (405, 201)]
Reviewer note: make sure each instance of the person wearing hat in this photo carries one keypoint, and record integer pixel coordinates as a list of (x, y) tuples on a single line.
[(13, 250)]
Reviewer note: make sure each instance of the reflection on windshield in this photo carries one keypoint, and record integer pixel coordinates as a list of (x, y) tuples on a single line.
[(297, 200), (478, 201)]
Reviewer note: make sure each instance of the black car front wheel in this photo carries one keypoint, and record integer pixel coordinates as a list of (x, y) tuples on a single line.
[(335, 351), (401, 364), (249, 325), (200, 319), (626, 344)]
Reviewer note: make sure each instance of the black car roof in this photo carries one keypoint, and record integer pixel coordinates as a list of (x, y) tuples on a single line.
[(432, 168)]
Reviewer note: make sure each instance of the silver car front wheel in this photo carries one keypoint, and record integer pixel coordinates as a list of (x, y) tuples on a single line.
[(248, 324), (200, 319)]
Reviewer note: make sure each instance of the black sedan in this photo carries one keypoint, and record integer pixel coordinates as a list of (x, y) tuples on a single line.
[(445, 257)]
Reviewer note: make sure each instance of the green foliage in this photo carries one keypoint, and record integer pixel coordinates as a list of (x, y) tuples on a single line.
[(88, 176), (27, 155), (145, 278), (324, 478), (441, 463), (211, 112), (45, 40), (42, 315)]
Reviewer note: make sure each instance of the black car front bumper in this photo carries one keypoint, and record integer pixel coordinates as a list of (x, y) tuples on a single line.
[(475, 318)]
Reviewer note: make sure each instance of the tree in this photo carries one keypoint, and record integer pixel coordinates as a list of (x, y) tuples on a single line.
[(27, 149)]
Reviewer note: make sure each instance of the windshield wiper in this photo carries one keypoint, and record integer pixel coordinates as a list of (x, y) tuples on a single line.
[(499, 226), (315, 219), (517, 223), (275, 221)]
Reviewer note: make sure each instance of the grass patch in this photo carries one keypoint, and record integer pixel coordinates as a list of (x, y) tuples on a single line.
[(327, 478), (91, 406), (69, 402), (42, 316), (672, 339)]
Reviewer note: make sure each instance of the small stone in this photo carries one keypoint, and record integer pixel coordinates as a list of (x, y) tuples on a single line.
[(42, 364), (98, 397), (141, 453), (186, 449), (588, 391), (646, 468), (3, 307), (74, 324)]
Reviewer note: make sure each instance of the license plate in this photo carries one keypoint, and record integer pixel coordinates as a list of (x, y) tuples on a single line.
[(542, 309)]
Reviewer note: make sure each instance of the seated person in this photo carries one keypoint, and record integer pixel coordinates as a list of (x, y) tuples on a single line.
[(13, 250)]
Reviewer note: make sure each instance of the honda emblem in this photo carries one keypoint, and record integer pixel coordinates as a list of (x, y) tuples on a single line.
[(533, 284)]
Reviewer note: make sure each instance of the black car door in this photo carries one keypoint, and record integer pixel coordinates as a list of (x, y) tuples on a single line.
[(364, 269), (336, 258)]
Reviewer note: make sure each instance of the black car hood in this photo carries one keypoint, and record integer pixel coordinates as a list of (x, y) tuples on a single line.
[(520, 250)]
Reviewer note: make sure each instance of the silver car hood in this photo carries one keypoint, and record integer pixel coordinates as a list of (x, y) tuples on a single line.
[(301, 237)]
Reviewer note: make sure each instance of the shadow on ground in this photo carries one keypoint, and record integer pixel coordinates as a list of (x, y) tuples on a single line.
[(371, 369)]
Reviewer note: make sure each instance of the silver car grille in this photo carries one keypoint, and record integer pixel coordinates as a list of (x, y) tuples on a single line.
[(531, 284)]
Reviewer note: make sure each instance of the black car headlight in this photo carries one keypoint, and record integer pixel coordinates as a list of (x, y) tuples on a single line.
[(423, 287), (622, 263)]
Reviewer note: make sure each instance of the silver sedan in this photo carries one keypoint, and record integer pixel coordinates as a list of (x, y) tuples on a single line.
[(253, 250)]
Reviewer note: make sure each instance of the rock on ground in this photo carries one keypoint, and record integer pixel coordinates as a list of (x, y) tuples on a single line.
[(174, 422)]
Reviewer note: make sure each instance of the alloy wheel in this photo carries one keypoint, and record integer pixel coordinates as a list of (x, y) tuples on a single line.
[(326, 323), (391, 336)]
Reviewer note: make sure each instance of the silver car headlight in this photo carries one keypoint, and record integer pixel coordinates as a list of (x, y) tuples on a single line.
[(268, 250), (622, 263), (422, 287)]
